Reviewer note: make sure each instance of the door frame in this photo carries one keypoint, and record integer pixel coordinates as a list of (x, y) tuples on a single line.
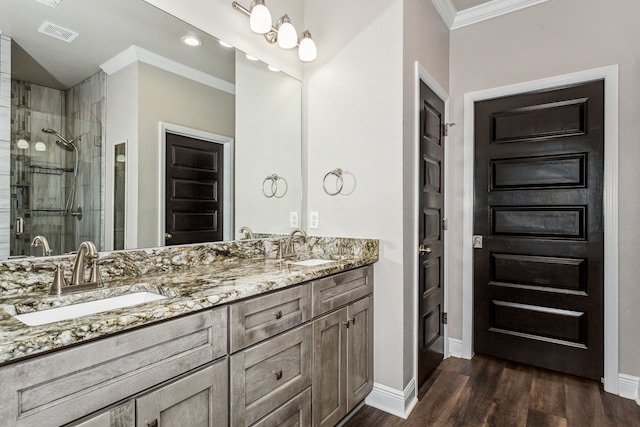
[(610, 205), (228, 174), (421, 75)]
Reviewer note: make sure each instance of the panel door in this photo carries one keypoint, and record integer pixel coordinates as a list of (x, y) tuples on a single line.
[(194, 190), (431, 236), (199, 399), (538, 278)]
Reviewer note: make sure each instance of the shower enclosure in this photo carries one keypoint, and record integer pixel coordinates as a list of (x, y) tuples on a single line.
[(56, 161)]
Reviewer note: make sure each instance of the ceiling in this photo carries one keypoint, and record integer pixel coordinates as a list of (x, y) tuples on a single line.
[(460, 13), (106, 29)]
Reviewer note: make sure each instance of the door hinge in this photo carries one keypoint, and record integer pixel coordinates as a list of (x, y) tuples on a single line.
[(444, 318), (445, 224), (445, 128)]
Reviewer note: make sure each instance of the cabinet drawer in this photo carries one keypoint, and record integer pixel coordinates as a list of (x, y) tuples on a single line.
[(68, 384), (269, 374), (339, 290), (294, 413), (257, 319)]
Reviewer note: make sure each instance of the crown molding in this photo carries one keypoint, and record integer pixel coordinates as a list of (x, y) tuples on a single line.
[(135, 53), (454, 19)]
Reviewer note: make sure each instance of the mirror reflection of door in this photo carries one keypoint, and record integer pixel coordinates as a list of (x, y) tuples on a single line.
[(194, 190)]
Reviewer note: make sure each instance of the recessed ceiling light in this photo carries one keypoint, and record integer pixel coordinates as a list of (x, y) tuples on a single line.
[(272, 68), (192, 41), (251, 58), (224, 44)]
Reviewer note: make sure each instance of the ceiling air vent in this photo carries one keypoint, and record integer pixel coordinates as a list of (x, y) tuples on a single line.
[(52, 3), (58, 32)]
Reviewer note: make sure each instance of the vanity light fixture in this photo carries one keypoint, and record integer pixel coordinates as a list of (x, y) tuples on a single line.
[(23, 144), (192, 41), (283, 33)]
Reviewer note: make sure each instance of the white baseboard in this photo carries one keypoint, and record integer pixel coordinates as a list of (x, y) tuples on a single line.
[(455, 347), (395, 402), (628, 386)]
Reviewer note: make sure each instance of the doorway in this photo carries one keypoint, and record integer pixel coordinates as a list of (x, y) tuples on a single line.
[(610, 76), (197, 186), (539, 229), (431, 249)]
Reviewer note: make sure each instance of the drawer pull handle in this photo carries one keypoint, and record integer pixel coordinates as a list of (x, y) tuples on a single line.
[(152, 423), (278, 374), (278, 314)]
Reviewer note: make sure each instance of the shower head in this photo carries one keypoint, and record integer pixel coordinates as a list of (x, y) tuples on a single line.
[(63, 142)]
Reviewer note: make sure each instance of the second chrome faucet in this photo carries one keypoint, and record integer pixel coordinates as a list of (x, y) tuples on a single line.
[(87, 254)]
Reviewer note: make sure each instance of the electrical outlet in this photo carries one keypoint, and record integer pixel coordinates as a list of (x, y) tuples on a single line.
[(314, 220), (293, 219)]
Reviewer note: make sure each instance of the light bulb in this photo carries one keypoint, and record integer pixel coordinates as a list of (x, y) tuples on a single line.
[(260, 18), (287, 36), (307, 51), (23, 144), (41, 146)]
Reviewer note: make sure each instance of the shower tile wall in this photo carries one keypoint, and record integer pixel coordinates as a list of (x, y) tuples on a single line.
[(5, 143), (85, 111)]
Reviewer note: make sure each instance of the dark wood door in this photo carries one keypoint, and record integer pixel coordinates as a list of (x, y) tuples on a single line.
[(194, 184), (431, 238), (539, 276)]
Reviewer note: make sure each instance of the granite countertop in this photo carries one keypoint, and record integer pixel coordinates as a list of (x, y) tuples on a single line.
[(187, 291)]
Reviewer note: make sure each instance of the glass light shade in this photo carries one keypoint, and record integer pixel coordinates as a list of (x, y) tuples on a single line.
[(260, 19), (307, 51), (41, 146), (23, 144), (287, 36)]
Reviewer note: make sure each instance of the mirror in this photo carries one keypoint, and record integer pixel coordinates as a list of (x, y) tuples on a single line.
[(115, 91)]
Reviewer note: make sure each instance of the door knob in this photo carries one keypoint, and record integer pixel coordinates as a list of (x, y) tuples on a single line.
[(424, 249), (168, 236)]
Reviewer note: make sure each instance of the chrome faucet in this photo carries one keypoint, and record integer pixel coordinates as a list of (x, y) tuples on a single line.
[(42, 241), (289, 250), (247, 231)]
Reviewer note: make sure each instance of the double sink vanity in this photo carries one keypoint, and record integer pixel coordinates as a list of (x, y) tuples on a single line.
[(217, 334)]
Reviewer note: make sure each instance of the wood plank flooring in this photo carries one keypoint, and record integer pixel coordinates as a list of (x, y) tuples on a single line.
[(492, 392)]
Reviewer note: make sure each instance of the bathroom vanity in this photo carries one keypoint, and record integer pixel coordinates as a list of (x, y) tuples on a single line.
[(253, 341)]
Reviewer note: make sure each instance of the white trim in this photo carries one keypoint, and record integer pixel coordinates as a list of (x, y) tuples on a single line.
[(610, 205), (421, 74), (228, 161), (628, 386), (395, 402), (492, 9), (455, 347), (134, 53)]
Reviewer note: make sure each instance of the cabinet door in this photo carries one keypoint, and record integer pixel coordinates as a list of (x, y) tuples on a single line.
[(120, 416), (329, 402), (360, 352), (195, 400)]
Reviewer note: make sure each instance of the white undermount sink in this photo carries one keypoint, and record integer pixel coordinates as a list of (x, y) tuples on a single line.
[(311, 262), (58, 314)]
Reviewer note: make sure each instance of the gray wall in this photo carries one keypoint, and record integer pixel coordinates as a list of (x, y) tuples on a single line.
[(550, 39)]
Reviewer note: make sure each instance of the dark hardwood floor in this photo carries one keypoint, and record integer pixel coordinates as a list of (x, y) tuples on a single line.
[(492, 392)]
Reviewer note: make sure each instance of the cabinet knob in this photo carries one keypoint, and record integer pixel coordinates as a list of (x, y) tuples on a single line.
[(278, 374), (278, 314)]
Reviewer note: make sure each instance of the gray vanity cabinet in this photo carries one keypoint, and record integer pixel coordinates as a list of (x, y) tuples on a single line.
[(121, 416), (198, 399), (63, 386), (342, 345)]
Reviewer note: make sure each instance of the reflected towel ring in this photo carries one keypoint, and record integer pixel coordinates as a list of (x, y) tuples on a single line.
[(272, 190), (339, 181)]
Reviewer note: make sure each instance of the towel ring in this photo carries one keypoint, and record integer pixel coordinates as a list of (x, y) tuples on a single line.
[(270, 191), (339, 181)]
